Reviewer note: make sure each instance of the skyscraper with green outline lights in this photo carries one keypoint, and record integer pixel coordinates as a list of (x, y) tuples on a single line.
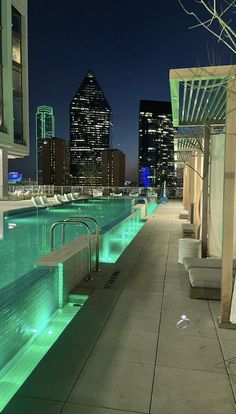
[(45, 128)]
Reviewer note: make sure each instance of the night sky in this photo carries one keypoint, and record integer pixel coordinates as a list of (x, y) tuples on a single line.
[(130, 45)]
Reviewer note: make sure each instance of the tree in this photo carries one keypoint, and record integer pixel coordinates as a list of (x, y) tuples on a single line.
[(216, 17)]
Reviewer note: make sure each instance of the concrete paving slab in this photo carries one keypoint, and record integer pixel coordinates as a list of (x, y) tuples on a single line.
[(150, 274), (144, 285), (135, 320), (197, 311), (227, 334), (190, 352), (229, 352), (53, 378), (125, 345), (102, 296), (93, 315), (183, 391), (144, 297), (25, 405), (120, 385), (85, 409), (178, 285), (77, 340)]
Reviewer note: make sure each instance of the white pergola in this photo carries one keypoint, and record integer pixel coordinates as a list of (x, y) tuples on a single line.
[(206, 97)]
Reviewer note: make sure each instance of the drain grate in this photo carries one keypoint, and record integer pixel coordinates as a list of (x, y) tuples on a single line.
[(112, 279)]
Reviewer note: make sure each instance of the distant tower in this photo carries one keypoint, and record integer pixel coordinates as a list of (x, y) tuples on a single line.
[(90, 132), (45, 128), (156, 144), (113, 168), (55, 161)]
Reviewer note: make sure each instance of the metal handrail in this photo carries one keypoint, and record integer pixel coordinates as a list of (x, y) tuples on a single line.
[(89, 240), (87, 218)]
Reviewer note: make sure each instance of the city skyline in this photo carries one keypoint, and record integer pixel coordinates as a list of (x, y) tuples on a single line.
[(131, 49)]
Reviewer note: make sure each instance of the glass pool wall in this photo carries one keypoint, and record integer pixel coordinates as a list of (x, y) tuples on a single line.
[(29, 295), (115, 241)]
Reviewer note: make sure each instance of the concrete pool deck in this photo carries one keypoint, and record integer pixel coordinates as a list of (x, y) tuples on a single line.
[(123, 353)]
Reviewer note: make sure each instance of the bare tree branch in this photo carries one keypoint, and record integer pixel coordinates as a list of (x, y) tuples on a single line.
[(217, 22)]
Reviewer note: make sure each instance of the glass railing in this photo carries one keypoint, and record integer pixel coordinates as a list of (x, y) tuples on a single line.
[(26, 191)]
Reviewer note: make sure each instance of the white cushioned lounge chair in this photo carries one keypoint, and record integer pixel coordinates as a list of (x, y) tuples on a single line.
[(37, 202)]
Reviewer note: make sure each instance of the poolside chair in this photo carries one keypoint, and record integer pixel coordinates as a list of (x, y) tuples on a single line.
[(44, 200), (60, 199), (75, 196), (204, 277), (117, 194), (204, 263), (68, 197), (37, 202), (205, 283), (97, 193)]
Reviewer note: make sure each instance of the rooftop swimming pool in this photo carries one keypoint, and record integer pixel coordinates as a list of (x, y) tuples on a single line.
[(30, 321), (26, 234)]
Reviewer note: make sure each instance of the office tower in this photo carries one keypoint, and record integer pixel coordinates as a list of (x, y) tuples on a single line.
[(113, 168), (45, 128), (14, 106), (55, 161), (90, 132), (156, 144)]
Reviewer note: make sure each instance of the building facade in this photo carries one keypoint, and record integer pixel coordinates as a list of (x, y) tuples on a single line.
[(14, 105), (113, 168), (55, 162), (45, 129), (156, 144), (90, 132)]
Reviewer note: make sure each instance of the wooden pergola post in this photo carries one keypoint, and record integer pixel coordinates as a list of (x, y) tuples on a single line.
[(197, 191), (207, 134), (186, 187), (228, 205), (191, 187)]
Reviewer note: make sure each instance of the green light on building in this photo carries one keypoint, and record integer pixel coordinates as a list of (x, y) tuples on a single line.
[(45, 128)]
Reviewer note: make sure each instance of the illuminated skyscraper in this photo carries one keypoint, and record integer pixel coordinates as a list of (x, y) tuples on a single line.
[(90, 131), (156, 144), (113, 168), (55, 161), (45, 128)]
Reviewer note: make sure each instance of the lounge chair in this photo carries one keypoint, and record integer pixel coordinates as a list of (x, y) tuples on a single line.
[(37, 202), (188, 229), (45, 201), (204, 277), (206, 263), (68, 197), (205, 283), (60, 199), (117, 194), (97, 193)]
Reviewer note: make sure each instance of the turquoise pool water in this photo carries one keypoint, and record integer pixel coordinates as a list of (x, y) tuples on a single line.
[(29, 295), (27, 234)]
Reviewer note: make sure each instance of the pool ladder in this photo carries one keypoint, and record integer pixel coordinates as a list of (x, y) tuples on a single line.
[(81, 222)]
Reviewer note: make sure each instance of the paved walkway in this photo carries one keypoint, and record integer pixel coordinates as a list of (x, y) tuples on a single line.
[(123, 353)]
